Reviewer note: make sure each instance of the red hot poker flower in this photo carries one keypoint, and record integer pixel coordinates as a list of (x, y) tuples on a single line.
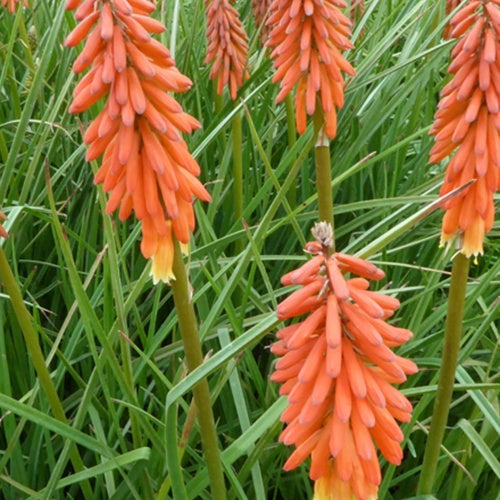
[(227, 46), (307, 37), (468, 122), (337, 367), (146, 165), (12, 4)]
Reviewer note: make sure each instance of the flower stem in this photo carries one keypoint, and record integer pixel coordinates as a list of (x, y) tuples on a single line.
[(292, 139), (237, 177), (194, 358), (24, 319), (323, 169), (218, 100), (452, 335), (290, 121)]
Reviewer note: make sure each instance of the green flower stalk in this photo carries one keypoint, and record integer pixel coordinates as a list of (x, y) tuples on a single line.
[(451, 348), (323, 170), (465, 124), (194, 357)]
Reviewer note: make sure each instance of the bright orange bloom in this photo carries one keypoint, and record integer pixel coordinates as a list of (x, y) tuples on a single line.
[(468, 122), (331, 487), (337, 368), (3, 232), (307, 38), (146, 165), (261, 11), (227, 46), (12, 4)]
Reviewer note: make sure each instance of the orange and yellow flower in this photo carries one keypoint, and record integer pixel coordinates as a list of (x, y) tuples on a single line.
[(146, 165), (12, 4), (468, 122), (331, 487), (227, 49), (307, 37), (337, 369)]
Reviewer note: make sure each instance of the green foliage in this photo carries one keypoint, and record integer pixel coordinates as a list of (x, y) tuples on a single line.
[(111, 339)]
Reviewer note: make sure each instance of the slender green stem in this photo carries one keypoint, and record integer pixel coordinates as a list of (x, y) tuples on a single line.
[(238, 176), (290, 121), (218, 106), (323, 169), (194, 358), (218, 100), (292, 139), (24, 319), (452, 335)]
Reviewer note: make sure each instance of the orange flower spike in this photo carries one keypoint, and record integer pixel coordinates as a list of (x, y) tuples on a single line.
[(81, 30), (462, 20), (368, 305), (306, 38), (337, 368), (320, 456), (72, 4), (162, 266), (353, 369), (359, 266), (467, 121), (286, 308), (307, 328), (333, 323), (337, 280), (374, 393), (312, 363), (362, 439), (146, 164), (291, 358), (322, 386), (354, 314), (302, 275), (227, 49)]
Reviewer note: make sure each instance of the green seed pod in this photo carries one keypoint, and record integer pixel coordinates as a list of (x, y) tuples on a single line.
[(32, 39)]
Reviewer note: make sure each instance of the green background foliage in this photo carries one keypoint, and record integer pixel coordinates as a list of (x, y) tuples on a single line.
[(112, 338)]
